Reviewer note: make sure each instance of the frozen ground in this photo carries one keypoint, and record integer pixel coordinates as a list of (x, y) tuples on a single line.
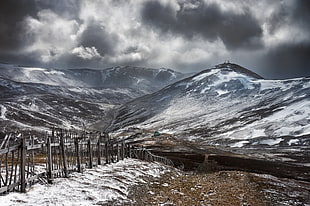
[(102, 185)]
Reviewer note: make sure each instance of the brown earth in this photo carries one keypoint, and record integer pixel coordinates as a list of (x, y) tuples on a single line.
[(220, 188), (225, 178), (231, 188)]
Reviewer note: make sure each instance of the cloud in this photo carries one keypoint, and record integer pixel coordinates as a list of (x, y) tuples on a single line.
[(31, 32), (52, 35), (68, 9), (95, 35), (293, 13), (12, 14), (301, 12), (198, 19), (272, 38), (287, 61), (86, 52)]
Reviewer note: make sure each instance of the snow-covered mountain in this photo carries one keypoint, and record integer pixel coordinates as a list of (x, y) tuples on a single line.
[(146, 80), (226, 106), (39, 98)]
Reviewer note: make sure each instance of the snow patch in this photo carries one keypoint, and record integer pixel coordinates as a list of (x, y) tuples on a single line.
[(221, 92), (258, 133), (54, 72), (93, 187), (284, 85), (163, 98), (3, 111), (204, 75), (293, 112), (182, 84), (240, 144), (293, 141), (33, 69), (271, 142)]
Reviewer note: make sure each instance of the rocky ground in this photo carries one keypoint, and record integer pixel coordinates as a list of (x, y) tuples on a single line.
[(221, 188), (215, 176)]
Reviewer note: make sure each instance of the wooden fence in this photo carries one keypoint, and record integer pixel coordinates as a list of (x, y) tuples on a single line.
[(28, 161)]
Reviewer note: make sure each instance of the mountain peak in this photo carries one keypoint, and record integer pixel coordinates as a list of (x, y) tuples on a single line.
[(237, 68)]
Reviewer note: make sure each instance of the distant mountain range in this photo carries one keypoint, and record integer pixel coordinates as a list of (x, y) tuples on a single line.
[(40, 98), (226, 106)]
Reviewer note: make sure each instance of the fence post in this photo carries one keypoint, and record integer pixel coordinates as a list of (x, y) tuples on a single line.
[(63, 151), (99, 151), (106, 153), (123, 150), (118, 153), (78, 155), (142, 153), (111, 152), (49, 161), (129, 150), (23, 165), (90, 155)]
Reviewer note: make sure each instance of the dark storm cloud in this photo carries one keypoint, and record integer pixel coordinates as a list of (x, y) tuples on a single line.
[(187, 35), (298, 14), (287, 60), (95, 35), (291, 58), (278, 18), (69, 60), (205, 20), (12, 14), (301, 12), (20, 58), (14, 34)]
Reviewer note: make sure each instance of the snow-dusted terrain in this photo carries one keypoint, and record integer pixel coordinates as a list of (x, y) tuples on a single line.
[(98, 186), (146, 80), (40, 98), (227, 106)]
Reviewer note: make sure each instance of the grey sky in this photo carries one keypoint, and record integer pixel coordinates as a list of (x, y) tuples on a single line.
[(271, 38)]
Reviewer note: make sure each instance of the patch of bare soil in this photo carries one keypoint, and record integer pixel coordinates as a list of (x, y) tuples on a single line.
[(219, 188)]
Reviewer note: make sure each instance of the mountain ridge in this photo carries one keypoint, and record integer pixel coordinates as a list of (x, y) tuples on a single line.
[(226, 107), (147, 79), (71, 98)]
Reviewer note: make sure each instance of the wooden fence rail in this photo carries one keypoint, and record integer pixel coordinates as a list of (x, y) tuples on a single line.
[(28, 161), (144, 154)]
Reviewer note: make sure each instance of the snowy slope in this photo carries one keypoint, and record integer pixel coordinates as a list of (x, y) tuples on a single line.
[(103, 185), (39, 98), (40, 106), (227, 106), (142, 79)]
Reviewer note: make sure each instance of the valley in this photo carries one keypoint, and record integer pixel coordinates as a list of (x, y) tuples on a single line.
[(224, 121)]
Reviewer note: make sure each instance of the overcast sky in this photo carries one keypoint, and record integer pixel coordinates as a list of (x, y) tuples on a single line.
[(272, 38)]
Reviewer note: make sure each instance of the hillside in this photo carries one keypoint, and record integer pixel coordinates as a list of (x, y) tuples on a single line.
[(146, 80), (230, 107), (41, 98)]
